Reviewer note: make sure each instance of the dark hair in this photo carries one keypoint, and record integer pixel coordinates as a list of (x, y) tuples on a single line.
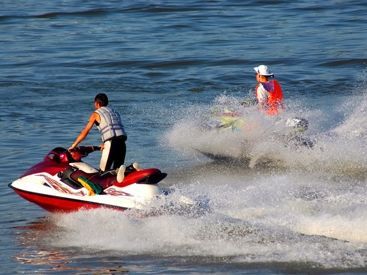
[(102, 99)]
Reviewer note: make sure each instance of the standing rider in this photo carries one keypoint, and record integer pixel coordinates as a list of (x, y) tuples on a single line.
[(112, 131), (269, 93)]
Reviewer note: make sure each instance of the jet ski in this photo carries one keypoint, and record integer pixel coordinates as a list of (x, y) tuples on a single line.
[(294, 128), (236, 129), (62, 182)]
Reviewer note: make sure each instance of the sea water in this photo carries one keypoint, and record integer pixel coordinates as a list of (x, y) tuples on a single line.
[(165, 65)]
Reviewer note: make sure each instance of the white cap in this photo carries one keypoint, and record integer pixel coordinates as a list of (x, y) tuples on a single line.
[(263, 70)]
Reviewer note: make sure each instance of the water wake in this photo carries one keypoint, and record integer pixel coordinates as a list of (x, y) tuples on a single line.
[(253, 218), (262, 140)]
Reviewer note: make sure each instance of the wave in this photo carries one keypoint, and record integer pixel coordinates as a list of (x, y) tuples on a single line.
[(253, 219), (50, 15), (264, 141), (107, 9), (343, 62)]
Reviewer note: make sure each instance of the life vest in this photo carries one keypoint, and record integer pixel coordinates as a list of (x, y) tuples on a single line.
[(274, 102), (110, 125)]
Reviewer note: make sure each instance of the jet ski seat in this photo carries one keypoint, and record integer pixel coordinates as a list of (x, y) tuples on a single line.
[(85, 167)]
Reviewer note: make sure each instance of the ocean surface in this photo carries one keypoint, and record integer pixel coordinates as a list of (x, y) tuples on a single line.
[(274, 209)]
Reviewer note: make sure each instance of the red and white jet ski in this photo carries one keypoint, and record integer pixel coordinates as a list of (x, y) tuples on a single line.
[(64, 183)]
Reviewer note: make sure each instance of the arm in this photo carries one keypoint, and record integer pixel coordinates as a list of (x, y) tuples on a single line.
[(84, 133), (262, 95)]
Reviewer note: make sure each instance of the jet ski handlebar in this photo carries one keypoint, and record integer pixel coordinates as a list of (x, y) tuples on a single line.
[(62, 155), (80, 152)]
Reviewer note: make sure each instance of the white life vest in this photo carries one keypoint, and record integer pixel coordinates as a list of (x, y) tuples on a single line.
[(110, 125)]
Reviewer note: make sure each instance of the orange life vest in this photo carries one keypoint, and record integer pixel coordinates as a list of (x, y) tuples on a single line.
[(274, 103)]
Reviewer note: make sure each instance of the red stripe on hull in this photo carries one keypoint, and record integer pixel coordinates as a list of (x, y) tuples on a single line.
[(57, 204)]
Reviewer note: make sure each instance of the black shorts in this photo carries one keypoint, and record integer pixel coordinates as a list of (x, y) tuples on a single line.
[(113, 154)]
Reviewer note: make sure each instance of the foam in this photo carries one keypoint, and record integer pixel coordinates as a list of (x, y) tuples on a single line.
[(253, 218), (339, 149)]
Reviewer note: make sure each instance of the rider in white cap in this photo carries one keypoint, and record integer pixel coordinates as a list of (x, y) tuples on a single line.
[(269, 93)]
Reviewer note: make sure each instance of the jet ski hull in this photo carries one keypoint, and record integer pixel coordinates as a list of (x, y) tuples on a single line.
[(53, 203), (55, 196)]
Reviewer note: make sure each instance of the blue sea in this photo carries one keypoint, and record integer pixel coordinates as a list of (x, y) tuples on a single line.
[(165, 65)]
